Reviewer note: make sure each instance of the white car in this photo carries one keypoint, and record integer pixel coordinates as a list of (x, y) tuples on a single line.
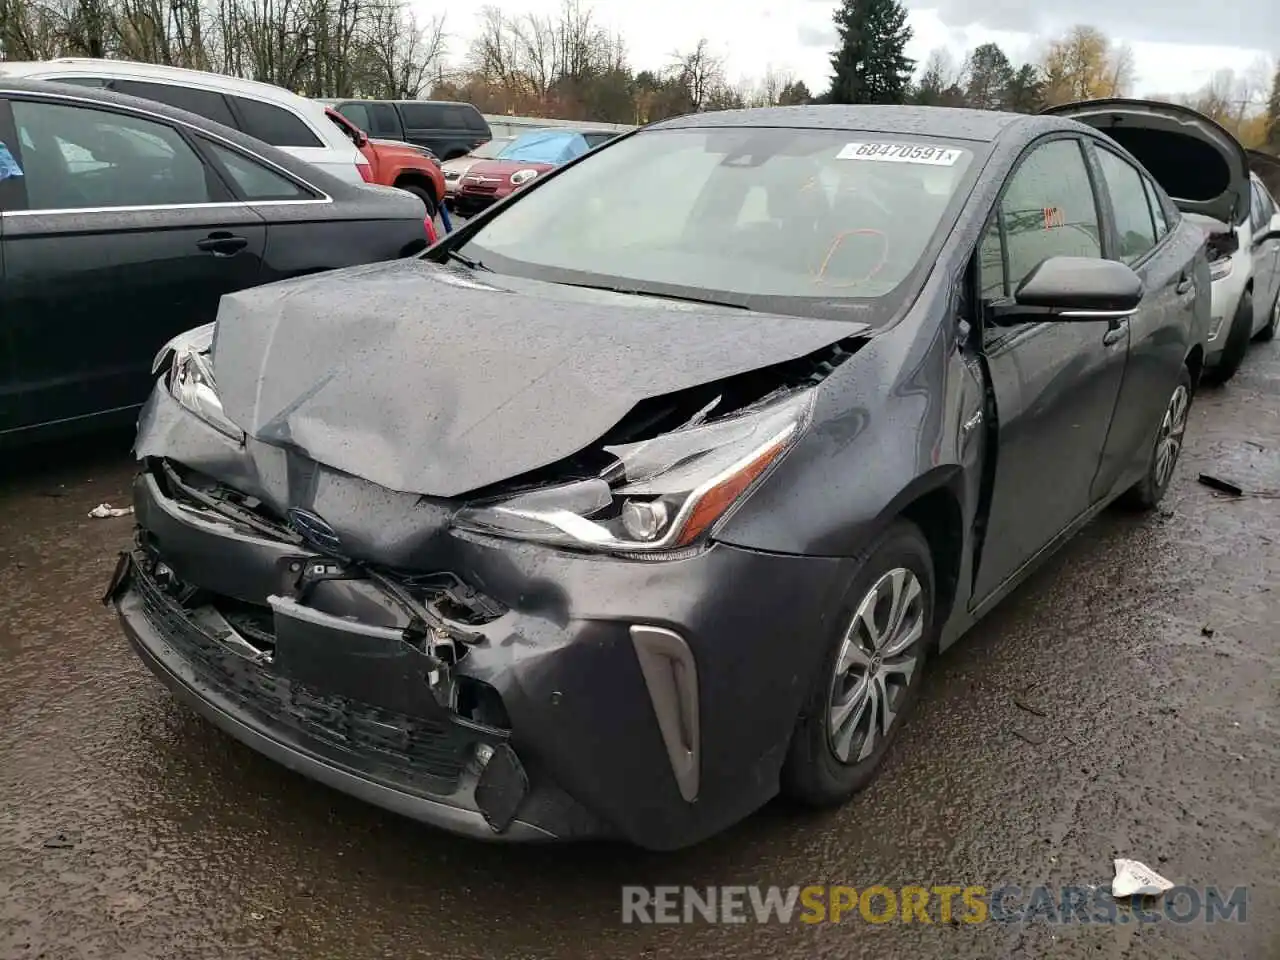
[(1206, 172), (1245, 267), (269, 113)]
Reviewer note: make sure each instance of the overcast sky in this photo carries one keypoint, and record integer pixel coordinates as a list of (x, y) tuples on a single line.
[(1177, 44)]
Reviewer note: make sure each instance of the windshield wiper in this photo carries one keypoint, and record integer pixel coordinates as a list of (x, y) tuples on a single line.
[(661, 296), (467, 261)]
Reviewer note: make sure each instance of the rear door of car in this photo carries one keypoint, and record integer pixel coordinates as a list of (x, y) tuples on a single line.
[(1055, 384), (119, 236), (1266, 256), (1145, 238)]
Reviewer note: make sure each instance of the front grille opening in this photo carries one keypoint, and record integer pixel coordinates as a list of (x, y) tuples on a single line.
[(481, 703)]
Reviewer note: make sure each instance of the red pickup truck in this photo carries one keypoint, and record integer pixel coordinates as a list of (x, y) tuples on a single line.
[(396, 164)]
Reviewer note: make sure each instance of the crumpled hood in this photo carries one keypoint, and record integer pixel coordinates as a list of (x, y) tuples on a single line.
[(429, 380)]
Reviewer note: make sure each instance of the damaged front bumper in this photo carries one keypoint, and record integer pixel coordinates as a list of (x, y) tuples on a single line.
[(531, 694)]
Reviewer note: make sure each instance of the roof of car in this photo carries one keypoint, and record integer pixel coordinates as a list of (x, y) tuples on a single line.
[(953, 122), (155, 71), (298, 168)]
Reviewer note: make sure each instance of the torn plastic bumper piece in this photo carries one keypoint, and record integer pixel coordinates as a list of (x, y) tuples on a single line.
[(407, 754)]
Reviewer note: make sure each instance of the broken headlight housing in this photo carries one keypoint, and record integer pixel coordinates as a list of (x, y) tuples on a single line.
[(656, 496), (190, 378)]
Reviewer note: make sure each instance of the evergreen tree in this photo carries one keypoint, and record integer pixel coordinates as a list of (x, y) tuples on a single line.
[(990, 76), (871, 65), (1025, 92)]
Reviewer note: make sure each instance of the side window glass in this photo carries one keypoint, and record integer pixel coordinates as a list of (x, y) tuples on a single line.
[(1256, 210), (203, 103), (274, 125), (77, 158), (255, 181), (421, 116), (1129, 201), (385, 122), (358, 114), (991, 280), (1049, 210), (455, 118), (1157, 208), (96, 82), (1268, 204)]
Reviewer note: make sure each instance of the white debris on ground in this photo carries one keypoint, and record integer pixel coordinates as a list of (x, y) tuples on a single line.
[(107, 510), (1133, 877)]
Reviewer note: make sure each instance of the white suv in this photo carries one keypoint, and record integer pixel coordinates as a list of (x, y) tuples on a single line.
[(272, 114)]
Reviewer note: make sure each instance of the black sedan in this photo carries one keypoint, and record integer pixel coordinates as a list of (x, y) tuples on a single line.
[(124, 223), (649, 494)]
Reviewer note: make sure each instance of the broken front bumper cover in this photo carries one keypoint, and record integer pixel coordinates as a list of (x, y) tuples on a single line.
[(463, 780)]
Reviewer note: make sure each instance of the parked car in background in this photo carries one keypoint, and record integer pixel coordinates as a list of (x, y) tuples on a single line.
[(129, 222), (447, 128), (663, 482), (1207, 172), (455, 168), (264, 111), (397, 164), (524, 158)]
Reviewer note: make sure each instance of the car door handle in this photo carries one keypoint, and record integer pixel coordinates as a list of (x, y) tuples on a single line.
[(222, 244), (1116, 332), (1184, 284)]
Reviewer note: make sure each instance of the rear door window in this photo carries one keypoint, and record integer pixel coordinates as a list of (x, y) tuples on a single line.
[(204, 103), (255, 181), (274, 125), (1130, 205), (1157, 209), (385, 121), (422, 116)]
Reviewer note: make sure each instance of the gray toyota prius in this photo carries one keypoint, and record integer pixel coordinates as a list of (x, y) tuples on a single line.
[(648, 494)]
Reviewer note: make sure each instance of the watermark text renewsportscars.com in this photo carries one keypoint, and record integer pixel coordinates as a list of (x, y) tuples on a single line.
[(937, 903)]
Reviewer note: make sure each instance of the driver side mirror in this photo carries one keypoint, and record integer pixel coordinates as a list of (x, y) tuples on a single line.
[(1077, 288)]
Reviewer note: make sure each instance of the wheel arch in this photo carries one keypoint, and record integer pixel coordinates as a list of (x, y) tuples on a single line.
[(416, 178), (932, 502), (1195, 365)]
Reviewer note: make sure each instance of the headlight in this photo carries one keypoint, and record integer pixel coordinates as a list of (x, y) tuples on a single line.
[(656, 495), (191, 379), (522, 176), (1220, 268)]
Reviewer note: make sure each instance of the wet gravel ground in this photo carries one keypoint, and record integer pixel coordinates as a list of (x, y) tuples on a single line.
[(1125, 702)]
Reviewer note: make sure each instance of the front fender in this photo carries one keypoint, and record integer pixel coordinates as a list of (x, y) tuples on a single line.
[(887, 430)]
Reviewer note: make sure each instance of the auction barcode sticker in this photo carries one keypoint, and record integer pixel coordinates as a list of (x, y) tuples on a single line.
[(900, 153)]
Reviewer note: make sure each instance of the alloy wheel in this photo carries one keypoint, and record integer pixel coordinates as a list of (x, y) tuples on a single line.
[(878, 657), (1169, 442)]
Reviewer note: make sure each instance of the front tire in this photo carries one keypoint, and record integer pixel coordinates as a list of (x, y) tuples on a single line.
[(871, 675), (1237, 343), (1147, 493)]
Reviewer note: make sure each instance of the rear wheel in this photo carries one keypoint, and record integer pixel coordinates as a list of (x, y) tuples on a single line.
[(1150, 490), (871, 675), (423, 194), (1269, 331), (1237, 343)]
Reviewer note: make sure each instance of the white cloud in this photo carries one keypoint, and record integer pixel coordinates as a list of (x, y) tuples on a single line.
[(753, 35)]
